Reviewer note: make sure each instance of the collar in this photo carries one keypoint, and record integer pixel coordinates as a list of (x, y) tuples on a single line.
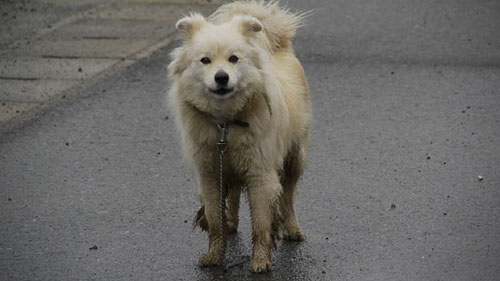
[(239, 123)]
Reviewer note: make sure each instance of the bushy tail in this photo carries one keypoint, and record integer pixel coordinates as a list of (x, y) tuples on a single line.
[(279, 23)]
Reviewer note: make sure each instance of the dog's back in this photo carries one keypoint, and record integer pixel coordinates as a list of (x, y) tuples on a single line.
[(279, 24)]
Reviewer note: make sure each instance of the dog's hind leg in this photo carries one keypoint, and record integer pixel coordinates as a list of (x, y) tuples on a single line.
[(263, 194), (200, 219), (292, 170), (233, 207)]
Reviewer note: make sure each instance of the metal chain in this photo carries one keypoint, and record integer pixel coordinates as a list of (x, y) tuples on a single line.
[(222, 147)]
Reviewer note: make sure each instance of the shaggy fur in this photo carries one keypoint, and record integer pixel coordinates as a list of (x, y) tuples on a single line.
[(267, 88)]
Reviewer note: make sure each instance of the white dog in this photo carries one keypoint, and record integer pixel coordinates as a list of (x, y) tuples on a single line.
[(238, 68)]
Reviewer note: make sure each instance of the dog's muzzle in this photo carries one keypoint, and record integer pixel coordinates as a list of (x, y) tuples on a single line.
[(221, 79)]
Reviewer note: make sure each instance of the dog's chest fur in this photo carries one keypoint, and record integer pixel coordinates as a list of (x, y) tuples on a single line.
[(260, 147), (240, 156)]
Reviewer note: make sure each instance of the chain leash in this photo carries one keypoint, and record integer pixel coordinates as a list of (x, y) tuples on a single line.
[(222, 147)]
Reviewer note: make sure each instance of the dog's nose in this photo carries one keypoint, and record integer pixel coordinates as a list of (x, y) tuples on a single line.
[(221, 77)]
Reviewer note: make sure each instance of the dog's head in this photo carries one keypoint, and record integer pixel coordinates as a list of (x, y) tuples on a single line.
[(218, 64)]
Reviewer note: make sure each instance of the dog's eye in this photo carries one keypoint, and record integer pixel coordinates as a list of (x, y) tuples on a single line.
[(233, 59), (205, 60)]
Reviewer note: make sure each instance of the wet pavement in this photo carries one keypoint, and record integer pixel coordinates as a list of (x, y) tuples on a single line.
[(406, 101)]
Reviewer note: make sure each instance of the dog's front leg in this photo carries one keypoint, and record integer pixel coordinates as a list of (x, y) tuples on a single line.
[(263, 193), (209, 191)]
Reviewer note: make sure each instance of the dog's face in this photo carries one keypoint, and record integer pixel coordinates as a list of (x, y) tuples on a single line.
[(217, 66)]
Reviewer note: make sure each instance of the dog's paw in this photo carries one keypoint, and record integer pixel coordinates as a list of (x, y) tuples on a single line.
[(210, 260), (294, 235), (232, 227), (261, 264)]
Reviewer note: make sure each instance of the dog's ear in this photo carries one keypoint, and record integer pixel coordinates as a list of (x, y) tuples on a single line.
[(248, 24), (190, 24)]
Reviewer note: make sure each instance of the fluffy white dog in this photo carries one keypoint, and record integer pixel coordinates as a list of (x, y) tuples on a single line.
[(238, 68)]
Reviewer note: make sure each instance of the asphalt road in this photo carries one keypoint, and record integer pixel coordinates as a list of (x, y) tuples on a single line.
[(406, 99)]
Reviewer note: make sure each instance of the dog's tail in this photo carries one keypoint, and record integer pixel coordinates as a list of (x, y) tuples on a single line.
[(279, 23)]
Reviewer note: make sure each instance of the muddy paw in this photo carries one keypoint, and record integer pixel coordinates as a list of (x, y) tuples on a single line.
[(261, 265), (294, 235), (209, 260), (232, 227)]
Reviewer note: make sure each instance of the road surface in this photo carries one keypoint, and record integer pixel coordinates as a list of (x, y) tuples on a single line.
[(406, 101)]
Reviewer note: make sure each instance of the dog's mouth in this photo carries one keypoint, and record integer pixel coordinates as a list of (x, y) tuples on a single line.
[(221, 91)]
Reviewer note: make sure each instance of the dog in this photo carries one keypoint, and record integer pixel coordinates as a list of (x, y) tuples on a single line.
[(237, 67)]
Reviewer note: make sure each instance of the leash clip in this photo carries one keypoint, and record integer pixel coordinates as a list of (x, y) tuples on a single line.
[(222, 143)]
